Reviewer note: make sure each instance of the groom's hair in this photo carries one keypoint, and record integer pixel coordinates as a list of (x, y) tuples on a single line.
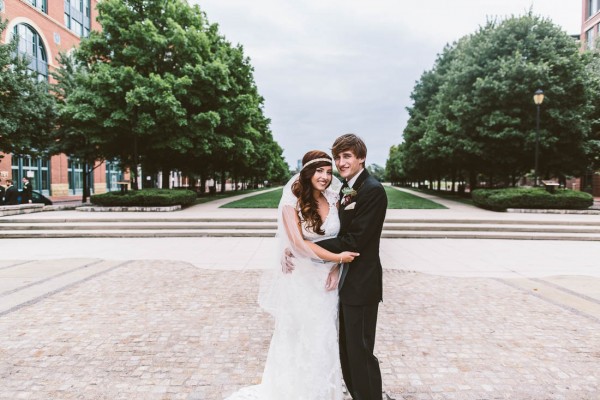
[(349, 142)]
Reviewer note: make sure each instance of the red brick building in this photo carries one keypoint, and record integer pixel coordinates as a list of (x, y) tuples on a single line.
[(46, 28), (590, 39)]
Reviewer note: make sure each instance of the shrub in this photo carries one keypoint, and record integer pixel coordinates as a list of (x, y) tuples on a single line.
[(501, 199), (145, 198)]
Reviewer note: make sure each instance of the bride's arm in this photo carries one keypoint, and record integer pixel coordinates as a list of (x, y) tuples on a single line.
[(293, 231), (343, 257)]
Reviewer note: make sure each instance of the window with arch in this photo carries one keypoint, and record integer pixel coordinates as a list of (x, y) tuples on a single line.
[(32, 47), (40, 4)]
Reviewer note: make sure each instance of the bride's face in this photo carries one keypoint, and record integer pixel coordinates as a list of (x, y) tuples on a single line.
[(322, 178)]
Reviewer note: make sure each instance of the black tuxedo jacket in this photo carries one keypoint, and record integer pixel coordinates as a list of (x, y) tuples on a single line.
[(361, 224), (27, 192), (11, 196)]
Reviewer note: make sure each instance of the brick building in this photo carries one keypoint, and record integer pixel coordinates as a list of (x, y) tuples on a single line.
[(590, 39), (46, 28)]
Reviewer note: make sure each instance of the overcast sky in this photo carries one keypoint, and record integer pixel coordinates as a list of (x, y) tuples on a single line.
[(328, 67)]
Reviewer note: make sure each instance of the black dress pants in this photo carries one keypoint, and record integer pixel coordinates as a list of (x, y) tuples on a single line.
[(360, 367)]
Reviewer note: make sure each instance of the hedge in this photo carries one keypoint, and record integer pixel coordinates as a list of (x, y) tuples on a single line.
[(145, 198), (501, 199)]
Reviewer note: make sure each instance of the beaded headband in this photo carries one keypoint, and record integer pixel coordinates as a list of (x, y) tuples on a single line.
[(316, 160)]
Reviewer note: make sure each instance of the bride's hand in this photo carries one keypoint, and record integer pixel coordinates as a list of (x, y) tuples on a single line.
[(347, 256), (287, 264), (333, 278)]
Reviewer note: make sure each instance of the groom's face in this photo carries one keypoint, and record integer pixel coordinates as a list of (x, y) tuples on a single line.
[(348, 164)]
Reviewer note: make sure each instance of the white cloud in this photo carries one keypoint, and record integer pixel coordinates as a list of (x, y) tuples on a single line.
[(331, 67)]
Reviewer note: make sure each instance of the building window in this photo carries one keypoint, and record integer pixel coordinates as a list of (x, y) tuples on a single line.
[(36, 169), (589, 39), (39, 4), (31, 46), (78, 16), (113, 175), (75, 176)]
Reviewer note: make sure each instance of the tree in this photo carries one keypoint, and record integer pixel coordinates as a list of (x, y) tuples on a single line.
[(377, 171), (473, 113), (163, 89), (75, 135), (27, 112)]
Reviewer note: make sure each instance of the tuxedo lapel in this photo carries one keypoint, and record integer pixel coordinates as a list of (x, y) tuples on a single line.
[(360, 180), (346, 217)]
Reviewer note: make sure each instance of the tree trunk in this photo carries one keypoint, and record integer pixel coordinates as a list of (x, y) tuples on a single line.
[(223, 181), (85, 192), (202, 184), (166, 178), (472, 181)]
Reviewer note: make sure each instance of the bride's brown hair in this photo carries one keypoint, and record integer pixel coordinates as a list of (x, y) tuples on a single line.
[(303, 190)]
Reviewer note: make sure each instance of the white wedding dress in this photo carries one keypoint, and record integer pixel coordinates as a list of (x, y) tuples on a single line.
[(303, 359)]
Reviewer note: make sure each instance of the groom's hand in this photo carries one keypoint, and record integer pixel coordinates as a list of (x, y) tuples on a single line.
[(287, 264)]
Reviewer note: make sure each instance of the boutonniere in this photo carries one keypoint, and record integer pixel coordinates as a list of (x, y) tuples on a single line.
[(348, 193)]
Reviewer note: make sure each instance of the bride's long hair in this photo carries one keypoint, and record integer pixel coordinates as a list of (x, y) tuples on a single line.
[(303, 190)]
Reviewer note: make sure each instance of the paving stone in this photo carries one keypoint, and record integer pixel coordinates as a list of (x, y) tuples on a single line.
[(168, 330)]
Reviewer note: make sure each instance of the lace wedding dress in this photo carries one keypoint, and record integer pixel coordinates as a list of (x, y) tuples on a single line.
[(303, 359)]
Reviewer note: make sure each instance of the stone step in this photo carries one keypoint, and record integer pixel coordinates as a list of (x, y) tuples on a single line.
[(139, 226), (260, 226), (397, 234), (438, 221), (151, 226)]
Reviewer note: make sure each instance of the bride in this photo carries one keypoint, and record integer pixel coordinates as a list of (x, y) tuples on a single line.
[(303, 359)]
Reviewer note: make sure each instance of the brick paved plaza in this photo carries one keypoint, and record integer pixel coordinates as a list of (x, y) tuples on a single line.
[(170, 330)]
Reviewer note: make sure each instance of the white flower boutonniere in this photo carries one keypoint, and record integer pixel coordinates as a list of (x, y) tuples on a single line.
[(348, 193)]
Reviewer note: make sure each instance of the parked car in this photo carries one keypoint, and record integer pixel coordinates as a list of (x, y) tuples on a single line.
[(36, 197)]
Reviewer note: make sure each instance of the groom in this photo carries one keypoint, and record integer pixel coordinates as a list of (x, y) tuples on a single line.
[(363, 204)]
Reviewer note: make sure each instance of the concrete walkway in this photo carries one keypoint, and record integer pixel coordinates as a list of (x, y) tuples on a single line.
[(177, 318)]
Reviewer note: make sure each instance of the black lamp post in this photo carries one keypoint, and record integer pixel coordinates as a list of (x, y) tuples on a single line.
[(538, 99)]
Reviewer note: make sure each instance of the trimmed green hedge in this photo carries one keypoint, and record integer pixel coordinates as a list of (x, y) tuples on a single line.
[(145, 198), (501, 199)]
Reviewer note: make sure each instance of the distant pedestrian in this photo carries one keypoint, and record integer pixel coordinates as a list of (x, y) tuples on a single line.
[(27, 191), (11, 197), (2, 193)]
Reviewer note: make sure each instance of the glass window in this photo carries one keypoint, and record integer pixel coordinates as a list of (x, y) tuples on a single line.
[(75, 176), (37, 169), (31, 46), (113, 175), (589, 39), (78, 16), (40, 4)]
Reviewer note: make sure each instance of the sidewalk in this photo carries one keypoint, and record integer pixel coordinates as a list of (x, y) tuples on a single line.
[(144, 319)]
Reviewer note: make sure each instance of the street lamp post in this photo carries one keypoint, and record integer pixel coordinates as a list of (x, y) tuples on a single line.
[(538, 99)]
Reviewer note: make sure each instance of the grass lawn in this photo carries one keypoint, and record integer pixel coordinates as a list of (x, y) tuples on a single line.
[(221, 195), (260, 200), (396, 200), (446, 195)]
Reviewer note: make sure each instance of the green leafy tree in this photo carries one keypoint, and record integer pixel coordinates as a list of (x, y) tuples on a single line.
[(76, 126), (163, 89), (27, 114), (377, 171), (473, 113)]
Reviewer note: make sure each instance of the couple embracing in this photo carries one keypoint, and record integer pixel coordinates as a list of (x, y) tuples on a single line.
[(325, 291)]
